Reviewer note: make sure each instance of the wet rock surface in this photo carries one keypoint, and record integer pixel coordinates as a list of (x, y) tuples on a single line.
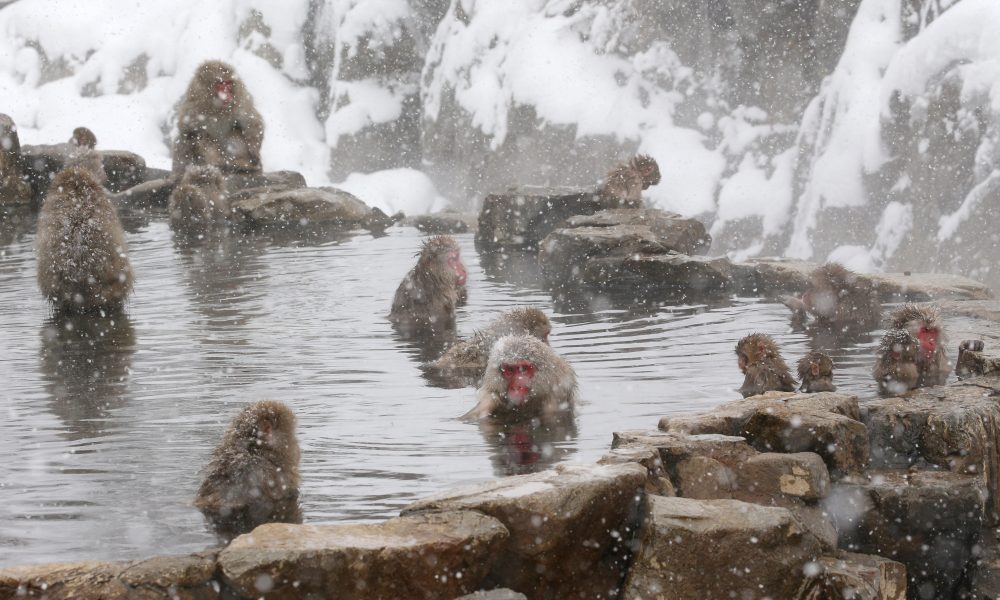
[(429, 555), (300, 206), (522, 217), (850, 576), (445, 221)]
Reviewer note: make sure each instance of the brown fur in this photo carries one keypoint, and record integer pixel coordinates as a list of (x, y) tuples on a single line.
[(933, 369), (472, 354), (253, 477), (13, 188), (553, 388), (199, 200), (816, 373), (82, 260), (213, 133), (896, 369), (83, 137), (425, 301), (760, 360), (623, 185), (838, 299)]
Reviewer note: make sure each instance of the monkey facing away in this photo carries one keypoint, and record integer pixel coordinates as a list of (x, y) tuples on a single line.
[(13, 188), (253, 477), (82, 257), (816, 373), (199, 200), (761, 362), (896, 370), (623, 185), (924, 324), (217, 123), (425, 300), (524, 379), (84, 138), (838, 300), (471, 355)]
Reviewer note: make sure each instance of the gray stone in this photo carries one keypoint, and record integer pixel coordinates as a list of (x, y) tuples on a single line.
[(430, 555), (668, 230), (445, 221), (982, 581), (690, 549), (850, 576), (651, 273), (149, 194), (522, 217), (570, 527), (284, 180), (657, 480), (301, 207), (124, 169)]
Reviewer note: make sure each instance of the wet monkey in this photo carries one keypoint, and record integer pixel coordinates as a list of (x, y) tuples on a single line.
[(426, 299), (199, 200), (472, 354), (837, 299), (760, 360), (924, 324), (816, 373), (623, 186), (896, 370)]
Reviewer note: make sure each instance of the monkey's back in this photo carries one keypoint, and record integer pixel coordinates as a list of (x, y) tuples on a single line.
[(192, 206), (423, 301)]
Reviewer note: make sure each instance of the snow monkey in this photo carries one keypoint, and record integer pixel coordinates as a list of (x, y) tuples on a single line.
[(816, 373), (83, 264), (217, 123), (524, 379), (199, 200), (837, 299), (471, 355), (896, 370), (253, 477), (924, 324), (761, 362), (84, 138), (425, 301), (623, 185), (13, 189)]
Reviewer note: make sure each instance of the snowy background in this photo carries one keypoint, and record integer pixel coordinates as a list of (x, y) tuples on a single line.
[(857, 130)]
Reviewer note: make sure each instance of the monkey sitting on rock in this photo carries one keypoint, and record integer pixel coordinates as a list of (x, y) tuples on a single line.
[(623, 186)]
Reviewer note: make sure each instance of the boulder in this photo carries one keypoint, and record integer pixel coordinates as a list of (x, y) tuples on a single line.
[(429, 555), (14, 189), (522, 217), (972, 363), (850, 576), (445, 221), (153, 193), (124, 169), (301, 207), (570, 527), (41, 162), (690, 549), (657, 480), (163, 577), (647, 274), (982, 579), (668, 230), (274, 179)]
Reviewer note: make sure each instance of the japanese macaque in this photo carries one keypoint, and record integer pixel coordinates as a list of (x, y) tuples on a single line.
[(84, 138), (471, 355), (253, 477), (83, 264), (968, 360), (13, 188), (87, 159), (816, 373), (761, 362), (199, 200), (624, 184), (896, 370), (426, 299), (217, 123), (524, 379), (838, 300), (924, 324)]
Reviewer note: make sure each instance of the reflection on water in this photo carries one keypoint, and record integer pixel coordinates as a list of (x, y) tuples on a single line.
[(108, 422)]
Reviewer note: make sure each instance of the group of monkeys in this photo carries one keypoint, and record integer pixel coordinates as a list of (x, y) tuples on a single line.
[(911, 353)]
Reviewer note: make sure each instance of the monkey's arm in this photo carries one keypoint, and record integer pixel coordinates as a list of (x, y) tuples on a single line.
[(487, 404)]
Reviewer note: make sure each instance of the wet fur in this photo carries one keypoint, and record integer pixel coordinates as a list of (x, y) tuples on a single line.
[(472, 355), (426, 299), (623, 185), (83, 137), (838, 299), (910, 317), (823, 381), (896, 376), (199, 200), (765, 369), (13, 188)]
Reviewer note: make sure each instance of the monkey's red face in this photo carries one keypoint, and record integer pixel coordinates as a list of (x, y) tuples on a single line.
[(743, 361), (224, 91), (455, 262), (519, 376), (928, 337)]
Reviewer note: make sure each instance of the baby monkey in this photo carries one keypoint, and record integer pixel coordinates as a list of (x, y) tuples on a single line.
[(761, 362), (816, 373), (472, 354), (896, 370)]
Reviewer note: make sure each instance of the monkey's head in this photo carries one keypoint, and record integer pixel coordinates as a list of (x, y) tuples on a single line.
[(647, 168), (441, 254), (898, 345), (755, 348), (266, 426), (83, 137), (923, 323), (528, 320), (522, 371), (78, 182), (203, 176), (218, 80), (814, 365)]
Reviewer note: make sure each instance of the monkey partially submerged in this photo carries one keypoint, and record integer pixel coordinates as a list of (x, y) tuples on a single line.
[(816, 373), (470, 356), (83, 264), (199, 200), (524, 379), (837, 300), (426, 299), (896, 370), (253, 477), (623, 186), (84, 138), (761, 362), (217, 123), (924, 324)]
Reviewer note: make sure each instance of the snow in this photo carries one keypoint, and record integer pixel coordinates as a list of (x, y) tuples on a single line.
[(393, 190)]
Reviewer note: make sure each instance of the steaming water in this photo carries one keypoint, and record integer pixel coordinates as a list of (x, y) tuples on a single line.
[(106, 426)]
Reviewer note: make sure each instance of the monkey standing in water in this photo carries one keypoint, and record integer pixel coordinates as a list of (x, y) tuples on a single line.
[(217, 123), (896, 370), (838, 300), (82, 260), (253, 477), (924, 324), (816, 373), (199, 200), (761, 362), (472, 354), (425, 301), (623, 185), (524, 379)]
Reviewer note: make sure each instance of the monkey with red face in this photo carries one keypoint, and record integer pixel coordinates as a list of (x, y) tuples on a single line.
[(924, 324), (524, 379), (426, 299)]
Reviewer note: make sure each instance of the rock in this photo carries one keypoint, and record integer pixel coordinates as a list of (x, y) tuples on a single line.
[(300, 207), (690, 549), (497, 594), (570, 527), (522, 217), (971, 363), (124, 169), (927, 520), (850, 576), (982, 580), (163, 577), (657, 480), (445, 221), (14, 189), (274, 179), (428, 555), (670, 231), (154, 173), (800, 475), (154, 193)]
